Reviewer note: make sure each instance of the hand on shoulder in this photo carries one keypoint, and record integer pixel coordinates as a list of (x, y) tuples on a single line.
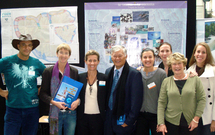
[(139, 68)]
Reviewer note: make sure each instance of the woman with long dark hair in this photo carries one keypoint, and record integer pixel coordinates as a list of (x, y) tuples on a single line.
[(202, 63)]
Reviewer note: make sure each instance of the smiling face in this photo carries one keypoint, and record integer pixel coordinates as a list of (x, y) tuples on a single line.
[(118, 58), (92, 62), (63, 55), (148, 59), (177, 67), (164, 52), (25, 48), (200, 55)]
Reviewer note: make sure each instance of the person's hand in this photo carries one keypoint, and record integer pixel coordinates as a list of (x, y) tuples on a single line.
[(161, 128), (75, 104), (124, 125), (139, 68), (193, 73), (39, 90), (212, 128), (4, 93), (193, 124), (60, 105)]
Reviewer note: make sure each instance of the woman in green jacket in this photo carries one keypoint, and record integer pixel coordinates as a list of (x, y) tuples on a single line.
[(181, 101)]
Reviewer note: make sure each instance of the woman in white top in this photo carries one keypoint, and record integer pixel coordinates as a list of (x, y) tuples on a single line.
[(202, 63), (91, 112)]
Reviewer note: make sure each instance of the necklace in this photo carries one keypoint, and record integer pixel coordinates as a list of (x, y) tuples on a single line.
[(88, 80), (180, 79)]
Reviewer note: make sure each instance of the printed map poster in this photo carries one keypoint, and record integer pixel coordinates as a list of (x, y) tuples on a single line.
[(52, 26), (135, 25)]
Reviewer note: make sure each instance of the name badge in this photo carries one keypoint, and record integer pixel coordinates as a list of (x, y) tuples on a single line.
[(31, 73), (102, 83), (151, 85), (121, 120)]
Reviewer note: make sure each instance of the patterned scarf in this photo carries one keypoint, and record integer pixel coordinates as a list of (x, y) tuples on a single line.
[(55, 84)]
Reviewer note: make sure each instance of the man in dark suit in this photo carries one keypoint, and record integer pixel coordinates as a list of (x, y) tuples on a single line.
[(125, 98)]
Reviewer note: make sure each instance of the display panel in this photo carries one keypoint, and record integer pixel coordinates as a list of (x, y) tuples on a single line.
[(135, 25)]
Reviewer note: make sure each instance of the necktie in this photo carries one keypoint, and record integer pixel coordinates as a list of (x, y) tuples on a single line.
[(115, 80)]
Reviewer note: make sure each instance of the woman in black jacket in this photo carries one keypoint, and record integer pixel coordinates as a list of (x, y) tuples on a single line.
[(91, 112)]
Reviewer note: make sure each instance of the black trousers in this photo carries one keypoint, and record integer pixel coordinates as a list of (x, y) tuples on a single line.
[(90, 124), (179, 130), (204, 129), (147, 122)]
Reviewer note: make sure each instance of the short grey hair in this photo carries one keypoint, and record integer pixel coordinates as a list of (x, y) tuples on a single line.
[(117, 48)]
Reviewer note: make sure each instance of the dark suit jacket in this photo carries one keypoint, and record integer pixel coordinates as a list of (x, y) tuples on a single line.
[(133, 101), (101, 94)]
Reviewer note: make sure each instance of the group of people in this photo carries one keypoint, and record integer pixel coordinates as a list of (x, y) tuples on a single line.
[(186, 100), (167, 99)]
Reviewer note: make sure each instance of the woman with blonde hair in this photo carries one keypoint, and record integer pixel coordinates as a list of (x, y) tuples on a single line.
[(59, 115), (202, 63), (91, 112), (181, 101)]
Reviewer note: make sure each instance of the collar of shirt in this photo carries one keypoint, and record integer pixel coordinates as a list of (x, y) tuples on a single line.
[(120, 70)]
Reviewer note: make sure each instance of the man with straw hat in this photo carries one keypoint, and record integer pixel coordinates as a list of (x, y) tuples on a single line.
[(21, 72)]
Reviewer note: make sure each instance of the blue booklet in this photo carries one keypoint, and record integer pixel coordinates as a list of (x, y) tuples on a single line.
[(68, 91)]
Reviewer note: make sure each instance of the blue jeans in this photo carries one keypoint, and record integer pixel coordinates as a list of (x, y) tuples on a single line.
[(67, 120), (15, 118)]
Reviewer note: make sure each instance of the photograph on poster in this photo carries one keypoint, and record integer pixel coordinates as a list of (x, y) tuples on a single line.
[(116, 24), (130, 30), (141, 29), (154, 35), (140, 16), (126, 18), (210, 34)]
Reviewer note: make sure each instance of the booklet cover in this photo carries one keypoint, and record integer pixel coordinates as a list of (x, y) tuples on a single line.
[(68, 91)]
